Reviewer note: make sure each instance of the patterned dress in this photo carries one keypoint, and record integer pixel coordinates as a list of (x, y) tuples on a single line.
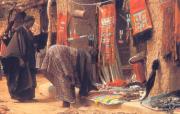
[(59, 65)]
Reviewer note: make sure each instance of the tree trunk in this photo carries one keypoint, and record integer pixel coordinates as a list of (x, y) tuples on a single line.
[(167, 78), (43, 18), (49, 24)]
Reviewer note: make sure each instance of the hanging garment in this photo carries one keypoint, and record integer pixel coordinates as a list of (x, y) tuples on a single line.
[(177, 31), (140, 16), (107, 22), (177, 22), (62, 36), (178, 54), (168, 46), (2, 49)]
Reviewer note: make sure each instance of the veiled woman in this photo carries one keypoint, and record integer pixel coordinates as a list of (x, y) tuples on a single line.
[(19, 60)]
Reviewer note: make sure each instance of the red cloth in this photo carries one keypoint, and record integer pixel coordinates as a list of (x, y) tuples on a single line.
[(139, 71), (62, 22), (140, 17), (137, 5), (118, 82), (107, 22), (2, 49)]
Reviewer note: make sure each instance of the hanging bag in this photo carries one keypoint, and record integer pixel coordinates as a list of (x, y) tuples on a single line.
[(177, 21)]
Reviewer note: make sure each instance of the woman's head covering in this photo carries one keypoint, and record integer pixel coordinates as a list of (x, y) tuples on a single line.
[(29, 21), (19, 17)]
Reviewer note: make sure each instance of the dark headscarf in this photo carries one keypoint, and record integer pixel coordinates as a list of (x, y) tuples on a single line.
[(19, 17), (29, 21)]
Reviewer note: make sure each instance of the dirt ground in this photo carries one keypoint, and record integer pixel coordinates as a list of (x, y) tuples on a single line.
[(44, 105), (41, 104)]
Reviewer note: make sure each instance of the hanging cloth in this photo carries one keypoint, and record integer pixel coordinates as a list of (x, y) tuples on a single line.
[(177, 30), (168, 46), (2, 49), (107, 17), (177, 21), (140, 16), (62, 35)]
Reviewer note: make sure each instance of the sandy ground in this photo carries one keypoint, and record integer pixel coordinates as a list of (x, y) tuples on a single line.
[(44, 105), (41, 104)]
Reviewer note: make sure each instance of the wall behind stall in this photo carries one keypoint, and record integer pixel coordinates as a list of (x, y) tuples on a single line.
[(84, 26)]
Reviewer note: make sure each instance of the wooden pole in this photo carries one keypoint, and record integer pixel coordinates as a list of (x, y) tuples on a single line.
[(49, 24)]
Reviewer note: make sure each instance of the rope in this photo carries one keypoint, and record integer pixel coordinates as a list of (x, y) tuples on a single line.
[(92, 4)]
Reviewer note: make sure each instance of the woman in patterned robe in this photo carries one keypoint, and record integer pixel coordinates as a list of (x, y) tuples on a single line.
[(66, 67)]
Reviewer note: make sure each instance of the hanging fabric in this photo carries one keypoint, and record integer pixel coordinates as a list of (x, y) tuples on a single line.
[(140, 16), (107, 17), (177, 30), (168, 46), (177, 21), (62, 35), (2, 49)]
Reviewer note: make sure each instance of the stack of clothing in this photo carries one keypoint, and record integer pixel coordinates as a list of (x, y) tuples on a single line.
[(163, 102)]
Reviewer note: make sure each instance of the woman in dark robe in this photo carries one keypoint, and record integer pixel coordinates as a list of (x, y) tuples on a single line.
[(66, 68), (19, 60)]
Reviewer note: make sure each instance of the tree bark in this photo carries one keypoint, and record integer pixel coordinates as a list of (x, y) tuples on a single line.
[(167, 78)]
